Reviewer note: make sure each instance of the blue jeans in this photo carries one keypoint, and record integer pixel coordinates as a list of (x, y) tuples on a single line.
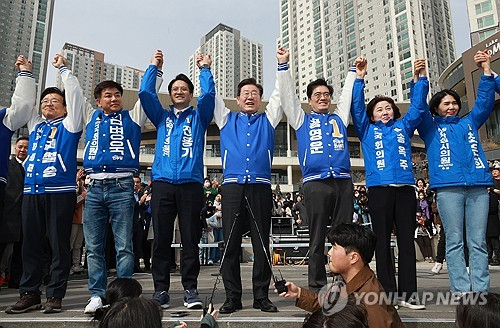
[(113, 200), (215, 251), (457, 205)]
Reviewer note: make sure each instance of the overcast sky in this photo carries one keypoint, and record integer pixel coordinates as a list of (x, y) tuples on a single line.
[(128, 33)]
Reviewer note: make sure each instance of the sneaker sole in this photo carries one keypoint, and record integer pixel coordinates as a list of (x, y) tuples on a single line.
[(411, 306), (194, 305), (92, 312), (51, 310), (33, 307)]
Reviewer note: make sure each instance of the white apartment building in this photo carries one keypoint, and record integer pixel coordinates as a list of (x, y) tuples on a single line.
[(233, 58), (326, 36), (25, 29), (483, 19), (90, 69)]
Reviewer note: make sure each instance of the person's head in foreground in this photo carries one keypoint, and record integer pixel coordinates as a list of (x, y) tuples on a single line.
[(133, 313), (478, 310), (351, 316), (352, 248), (118, 289)]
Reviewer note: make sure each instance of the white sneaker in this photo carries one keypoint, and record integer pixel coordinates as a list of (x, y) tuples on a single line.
[(436, 269), (95, 302)]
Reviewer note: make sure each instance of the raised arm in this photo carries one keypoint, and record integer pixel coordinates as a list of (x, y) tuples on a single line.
[(485, 99), (148, 102), (221, 112), (358, 109), (206, 101), (418, 97), (73, 95), (344, 104), (22, 107), (289, 100)]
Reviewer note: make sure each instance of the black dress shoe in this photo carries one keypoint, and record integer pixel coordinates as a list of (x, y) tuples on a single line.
[(230, 305), (264, 304)]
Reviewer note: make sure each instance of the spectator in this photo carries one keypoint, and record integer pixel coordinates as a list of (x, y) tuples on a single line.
[(351, 252), (423, 237), (11, 224), (351, 316), (478, 310), (493, 229), (76, 236)]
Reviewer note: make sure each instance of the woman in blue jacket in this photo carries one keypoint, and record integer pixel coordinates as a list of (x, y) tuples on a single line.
[(391, 197), (459, 173)]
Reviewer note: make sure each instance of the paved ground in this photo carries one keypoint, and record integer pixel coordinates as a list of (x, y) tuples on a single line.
[(436, 315)]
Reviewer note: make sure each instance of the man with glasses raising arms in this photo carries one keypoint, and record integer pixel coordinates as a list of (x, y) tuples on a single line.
[(247, 145), (324, 159)]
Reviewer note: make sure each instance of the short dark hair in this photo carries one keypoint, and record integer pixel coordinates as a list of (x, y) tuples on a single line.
[(317, 83), (137, 177), (181, 77), (378, 98), (478, 310), (351, 316), (22, 138), (436, 100), (354, 238), (109, 84), (118, 289), (133, 312), (250, 81), (55, 90)]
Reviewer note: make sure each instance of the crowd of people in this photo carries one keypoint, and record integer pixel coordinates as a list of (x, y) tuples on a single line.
[(107, 204)]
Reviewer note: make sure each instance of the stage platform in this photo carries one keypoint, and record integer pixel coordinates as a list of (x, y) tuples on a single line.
[(436, 315)]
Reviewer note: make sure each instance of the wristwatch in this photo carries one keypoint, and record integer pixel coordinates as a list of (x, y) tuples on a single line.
[(205, 66)]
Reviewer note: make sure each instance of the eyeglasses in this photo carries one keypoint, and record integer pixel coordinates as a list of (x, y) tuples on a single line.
[(181, 89), (246, 94), (52, 101), (318, 95)]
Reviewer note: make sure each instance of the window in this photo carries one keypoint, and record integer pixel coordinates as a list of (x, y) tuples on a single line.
[(485, 21), (483, 7)]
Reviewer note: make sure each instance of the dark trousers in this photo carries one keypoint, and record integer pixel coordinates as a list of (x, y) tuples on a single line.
[(389, 207), (137, 232), (16, 265), (168, 201), (235, 208), (328, 202), (441, 246), (47, 216), (424, 243), (146, 249)]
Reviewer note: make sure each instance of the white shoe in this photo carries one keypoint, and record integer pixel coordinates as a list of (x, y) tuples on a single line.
[(95, 303), (436, 269), (412, 304)]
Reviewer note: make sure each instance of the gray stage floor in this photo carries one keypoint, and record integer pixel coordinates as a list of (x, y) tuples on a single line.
[(436, 315)]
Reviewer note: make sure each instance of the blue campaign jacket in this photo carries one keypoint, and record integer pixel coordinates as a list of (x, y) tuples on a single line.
[(247, 146), (322, 138), (387, 147), (454, 150), (180, 141), (111, 143), (51, 163)]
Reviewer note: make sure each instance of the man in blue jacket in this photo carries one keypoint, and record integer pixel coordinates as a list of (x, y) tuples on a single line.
[(111, 158), (323, 157), (247, 145), (177, 173), (49, 191)]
